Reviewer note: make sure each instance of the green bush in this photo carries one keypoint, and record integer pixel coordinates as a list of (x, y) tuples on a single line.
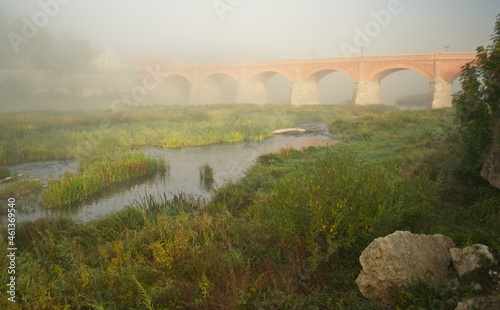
[(477, 105)]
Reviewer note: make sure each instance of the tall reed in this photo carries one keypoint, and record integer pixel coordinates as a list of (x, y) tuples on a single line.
[(98, 172)]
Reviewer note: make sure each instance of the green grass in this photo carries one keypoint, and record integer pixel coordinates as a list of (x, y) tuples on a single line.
[(24, 188), (45, 135), (286, 236), (98, 173)]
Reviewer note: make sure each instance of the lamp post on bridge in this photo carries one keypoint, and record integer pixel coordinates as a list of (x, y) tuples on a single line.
[(446, 48)]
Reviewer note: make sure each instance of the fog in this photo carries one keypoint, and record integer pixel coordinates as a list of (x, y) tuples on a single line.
[(62, 35)]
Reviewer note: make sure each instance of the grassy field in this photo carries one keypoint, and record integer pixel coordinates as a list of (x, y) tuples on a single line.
[(103, 141), (286, 236), (45, 135)]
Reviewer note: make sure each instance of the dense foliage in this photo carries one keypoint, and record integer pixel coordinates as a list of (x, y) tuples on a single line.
[(478, 104)]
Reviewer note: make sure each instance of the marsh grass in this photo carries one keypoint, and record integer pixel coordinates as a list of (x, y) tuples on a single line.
[(286, 236), (207, 177), (46, 135), (98, 173), (24, 188)]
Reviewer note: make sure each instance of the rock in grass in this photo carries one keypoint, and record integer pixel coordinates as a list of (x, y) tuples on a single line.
[(491, 167), (402, 258), (471, 258), (479, 303)]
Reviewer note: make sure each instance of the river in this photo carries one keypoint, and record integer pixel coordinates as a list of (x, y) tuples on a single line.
[(229, 162)]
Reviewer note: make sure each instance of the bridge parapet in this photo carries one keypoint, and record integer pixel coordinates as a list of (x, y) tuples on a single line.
[(298, 61)]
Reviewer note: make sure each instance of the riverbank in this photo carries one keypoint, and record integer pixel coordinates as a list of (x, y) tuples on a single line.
[(51, 135), (228, 162), (286, 236), (76, 136)]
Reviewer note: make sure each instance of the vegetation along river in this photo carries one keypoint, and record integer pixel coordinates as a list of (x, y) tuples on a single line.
[(228, 161)]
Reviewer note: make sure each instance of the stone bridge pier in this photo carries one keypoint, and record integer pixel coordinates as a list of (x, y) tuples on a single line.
[(366, 92), (440, 93), (305, 92)]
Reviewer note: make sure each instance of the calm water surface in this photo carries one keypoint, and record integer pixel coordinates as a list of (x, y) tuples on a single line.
[(229, 162)]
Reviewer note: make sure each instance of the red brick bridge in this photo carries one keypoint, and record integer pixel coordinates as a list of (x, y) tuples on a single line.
[(366, 71)]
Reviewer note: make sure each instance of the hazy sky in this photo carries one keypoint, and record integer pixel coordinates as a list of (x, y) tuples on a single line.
[(204, 30)]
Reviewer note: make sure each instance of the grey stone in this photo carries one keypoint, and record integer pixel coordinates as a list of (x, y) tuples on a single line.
[(470, 258), (478, 303), (401, 258), (491, 168)]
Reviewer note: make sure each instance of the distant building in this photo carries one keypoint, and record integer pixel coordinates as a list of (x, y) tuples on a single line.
[(105, 60)]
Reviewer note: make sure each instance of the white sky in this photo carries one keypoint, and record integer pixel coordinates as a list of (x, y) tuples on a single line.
[(267, 29)]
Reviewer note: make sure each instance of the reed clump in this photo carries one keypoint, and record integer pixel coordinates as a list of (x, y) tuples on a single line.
[(206, 173), (97, 173)]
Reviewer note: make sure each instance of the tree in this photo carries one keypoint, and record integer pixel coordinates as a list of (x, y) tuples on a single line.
[(477, 106), (61, 54), (73, 54), (38, 52)]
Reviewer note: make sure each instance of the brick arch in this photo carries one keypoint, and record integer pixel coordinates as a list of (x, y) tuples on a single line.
[(318, 73), (178, 74), (332, 89), (173, 89), (227, 90), (231, 72), (378, 74), (263, 75), (451, 72), (174, 79), (217, 77)]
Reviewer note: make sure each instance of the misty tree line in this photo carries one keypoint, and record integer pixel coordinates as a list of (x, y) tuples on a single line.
[(60, 54)]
